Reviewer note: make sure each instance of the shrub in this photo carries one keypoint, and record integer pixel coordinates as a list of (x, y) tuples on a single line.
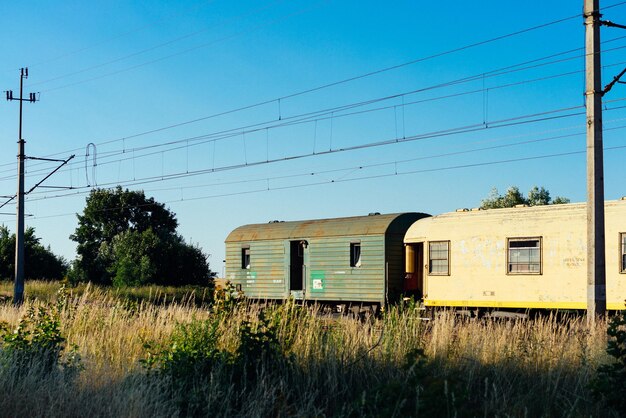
[(37, 343), (191, 359), (190, 353), (610, 383)]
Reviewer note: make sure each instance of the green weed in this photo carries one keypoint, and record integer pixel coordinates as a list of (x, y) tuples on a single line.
[(610, 382)]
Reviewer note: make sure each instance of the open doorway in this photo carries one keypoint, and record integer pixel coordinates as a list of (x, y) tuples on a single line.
[(414, 270), (296, 265)]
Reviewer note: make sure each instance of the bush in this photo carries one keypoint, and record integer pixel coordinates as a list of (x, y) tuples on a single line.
[(189, 355), (610, 383), (191, 359), (37, 344)]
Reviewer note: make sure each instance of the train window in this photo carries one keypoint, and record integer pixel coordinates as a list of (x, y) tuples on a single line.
[(355, 254), (524, 256), (623, 253), (245, 258), (439, 258)]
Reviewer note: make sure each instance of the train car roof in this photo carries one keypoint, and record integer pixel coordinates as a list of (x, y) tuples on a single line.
[(492, 217), (374, 224)]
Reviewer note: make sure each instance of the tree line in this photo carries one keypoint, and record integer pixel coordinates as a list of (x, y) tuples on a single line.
[(536, 196), (123, 239)]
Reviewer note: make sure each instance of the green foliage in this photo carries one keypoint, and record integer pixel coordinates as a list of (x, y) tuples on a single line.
[(560, 200), (227, 299), (420, 390), (191, 357), (610, 382), (39, 261), (186, 362), (133, 256), (536, 197), (190, 353), (127, 239), (257, 342), (37, 343)]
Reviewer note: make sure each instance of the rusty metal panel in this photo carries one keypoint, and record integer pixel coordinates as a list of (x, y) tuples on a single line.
[(266, 276), (351, 226), (327, 271), (332, 278)]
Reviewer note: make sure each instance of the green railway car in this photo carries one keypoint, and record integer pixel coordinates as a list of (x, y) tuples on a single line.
[(336, 261)]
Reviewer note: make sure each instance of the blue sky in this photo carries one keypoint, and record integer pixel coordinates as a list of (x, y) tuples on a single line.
[(131, 76)]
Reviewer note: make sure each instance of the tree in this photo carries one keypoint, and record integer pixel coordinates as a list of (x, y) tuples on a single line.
[(39, 261), (132, 255), (536, 197), (127, 239)]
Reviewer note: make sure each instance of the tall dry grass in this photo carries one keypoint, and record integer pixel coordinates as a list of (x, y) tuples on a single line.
[(331, 367)]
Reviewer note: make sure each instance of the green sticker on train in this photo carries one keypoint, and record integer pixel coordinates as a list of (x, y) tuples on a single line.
[(318, 278)]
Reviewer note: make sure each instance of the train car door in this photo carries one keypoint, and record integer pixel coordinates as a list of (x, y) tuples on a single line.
[(297, 268), (414, 273)]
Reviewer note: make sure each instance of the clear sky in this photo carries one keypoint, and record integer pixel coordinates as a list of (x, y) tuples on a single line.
[(197, 103)]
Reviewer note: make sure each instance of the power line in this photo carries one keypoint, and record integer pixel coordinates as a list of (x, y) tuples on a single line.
[(352, 168), (363, 166), (463, 129), (447, 132), (371, 177), (613, 5), (491, 40), (523, 119), (347, 169), (450, 52), (308, 117), (491, 73)]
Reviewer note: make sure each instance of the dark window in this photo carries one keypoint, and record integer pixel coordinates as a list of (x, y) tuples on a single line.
[(524, 256), (623, 253), (245, 258), (439, 258), (355, 254)]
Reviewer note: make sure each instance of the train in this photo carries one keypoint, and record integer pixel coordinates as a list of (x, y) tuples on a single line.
[(496, 259)]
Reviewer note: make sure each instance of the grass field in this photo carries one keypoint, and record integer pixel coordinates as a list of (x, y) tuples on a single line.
[(140, 356)]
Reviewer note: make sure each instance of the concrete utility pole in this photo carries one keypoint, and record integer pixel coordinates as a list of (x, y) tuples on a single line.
[(596, 268), (18, 289)]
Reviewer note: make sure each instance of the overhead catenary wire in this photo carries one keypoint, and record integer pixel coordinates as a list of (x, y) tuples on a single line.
[(371, 177), (512, 121), (307, 117), (496, 72), (302, 92), (446, 52), (395, 162), (379, 164), (494, 125), (214, 169), (491, 73)]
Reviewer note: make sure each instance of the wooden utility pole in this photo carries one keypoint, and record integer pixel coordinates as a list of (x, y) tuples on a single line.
[(596, 269)]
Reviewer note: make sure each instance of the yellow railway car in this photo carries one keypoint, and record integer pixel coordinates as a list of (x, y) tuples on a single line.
[(522, 257)]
